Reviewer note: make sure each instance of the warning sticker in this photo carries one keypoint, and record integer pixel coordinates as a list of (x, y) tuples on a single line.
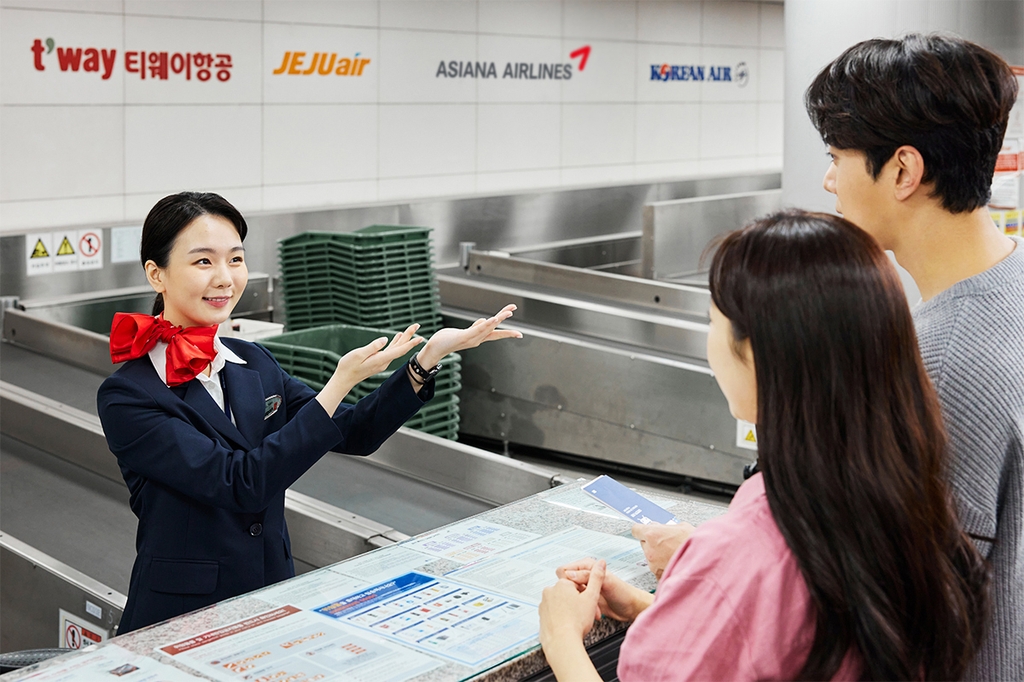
[(746, 435), (66, 258), (90, 250), (38, 254), (76, 632)]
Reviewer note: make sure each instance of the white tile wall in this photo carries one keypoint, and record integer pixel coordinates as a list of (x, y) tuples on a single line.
[(773, 28), (518, 137), (730, 23), (429, 15), (514, 181), (769, 129), (322, 12), (728, 130), (669, 22), (79, 149), (770, 76), (667, 132), (282, 197), (598, 175), (317, 144), (427, 140), (61, 152), (590, 19), (426, 186), (99, 6), (521, 17), (666, 169), (598, 134), (176, 148), (26, 215), (196, 9)]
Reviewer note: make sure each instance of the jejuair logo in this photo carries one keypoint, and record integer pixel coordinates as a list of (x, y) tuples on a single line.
[(739, 74), (515, 70), (322, 63)]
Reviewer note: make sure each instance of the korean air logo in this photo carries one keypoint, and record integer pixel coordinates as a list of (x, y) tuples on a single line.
[(739, 74)]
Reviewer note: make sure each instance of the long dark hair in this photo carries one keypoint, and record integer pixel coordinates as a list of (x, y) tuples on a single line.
[(174, 213), (852, 449)]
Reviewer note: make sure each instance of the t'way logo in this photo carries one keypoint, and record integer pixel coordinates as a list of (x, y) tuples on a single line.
[(146, 64), (516, 70), (71, 58), (322, 63)]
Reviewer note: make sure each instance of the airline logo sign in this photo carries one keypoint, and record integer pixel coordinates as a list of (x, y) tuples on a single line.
[(321, 64), (145, 64), (515, 70), (739, 74)]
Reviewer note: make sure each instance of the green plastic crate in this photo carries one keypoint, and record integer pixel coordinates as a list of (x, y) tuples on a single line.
[(311, 356)]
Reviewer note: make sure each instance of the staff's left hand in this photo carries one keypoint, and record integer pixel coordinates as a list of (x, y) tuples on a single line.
[(566, 612), (451, 340)]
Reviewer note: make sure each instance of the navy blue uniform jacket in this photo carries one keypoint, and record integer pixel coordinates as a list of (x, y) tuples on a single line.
[(210, 496)]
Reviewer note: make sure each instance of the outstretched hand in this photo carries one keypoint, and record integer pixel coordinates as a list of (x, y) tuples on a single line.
[(451, 340), (375, 357)]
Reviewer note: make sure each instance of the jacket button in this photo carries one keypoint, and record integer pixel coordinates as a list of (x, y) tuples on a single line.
[(256, 529)]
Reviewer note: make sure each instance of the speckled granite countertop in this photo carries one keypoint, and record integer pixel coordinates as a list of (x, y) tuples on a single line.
[(555, 512)]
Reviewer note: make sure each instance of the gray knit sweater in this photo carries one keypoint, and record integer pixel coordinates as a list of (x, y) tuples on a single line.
[(972, 342)]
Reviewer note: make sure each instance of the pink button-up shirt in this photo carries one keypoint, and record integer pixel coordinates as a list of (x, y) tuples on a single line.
[(731, 605)]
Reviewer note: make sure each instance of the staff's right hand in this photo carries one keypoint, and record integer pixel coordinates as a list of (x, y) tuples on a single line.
[(619, 599), (375, 357)]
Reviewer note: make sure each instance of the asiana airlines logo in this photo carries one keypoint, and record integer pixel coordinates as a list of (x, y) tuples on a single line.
[(321, 64), (514, 70), (738, 74)]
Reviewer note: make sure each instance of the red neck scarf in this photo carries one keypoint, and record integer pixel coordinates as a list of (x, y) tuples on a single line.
[(189, 350)]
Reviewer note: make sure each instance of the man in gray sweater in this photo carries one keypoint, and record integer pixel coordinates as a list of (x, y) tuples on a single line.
[(913, 128)]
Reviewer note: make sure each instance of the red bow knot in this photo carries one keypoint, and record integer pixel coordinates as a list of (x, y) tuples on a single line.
[(189, 350)]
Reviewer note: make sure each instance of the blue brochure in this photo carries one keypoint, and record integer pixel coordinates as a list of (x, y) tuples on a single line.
[(629, 503)]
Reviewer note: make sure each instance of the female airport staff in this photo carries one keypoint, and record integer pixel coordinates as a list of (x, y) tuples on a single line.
[(209, 432), (843, 558)]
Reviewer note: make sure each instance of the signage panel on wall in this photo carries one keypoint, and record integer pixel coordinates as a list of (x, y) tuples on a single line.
[(63, 251)]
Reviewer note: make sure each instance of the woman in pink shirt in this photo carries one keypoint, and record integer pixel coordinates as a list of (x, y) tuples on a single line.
[(842, 559)]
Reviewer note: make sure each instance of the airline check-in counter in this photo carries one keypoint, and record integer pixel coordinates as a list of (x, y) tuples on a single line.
[(456, 603)]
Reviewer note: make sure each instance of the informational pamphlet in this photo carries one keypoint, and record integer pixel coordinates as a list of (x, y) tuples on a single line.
[(469, 541), (110, 663), (291, 644), (524, 572), (455, 622)]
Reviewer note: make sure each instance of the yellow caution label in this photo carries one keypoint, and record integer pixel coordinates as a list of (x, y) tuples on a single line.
[(746, 435), (40, 250), (65, 248)]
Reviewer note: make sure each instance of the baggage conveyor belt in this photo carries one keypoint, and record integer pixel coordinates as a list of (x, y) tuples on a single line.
[(67, 534), (401, 502)]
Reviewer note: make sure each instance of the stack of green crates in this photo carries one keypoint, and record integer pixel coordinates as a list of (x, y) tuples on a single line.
[(311, 355), (381, 276)]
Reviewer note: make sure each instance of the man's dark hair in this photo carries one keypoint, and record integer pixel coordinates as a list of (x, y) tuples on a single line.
[(945, 96)]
